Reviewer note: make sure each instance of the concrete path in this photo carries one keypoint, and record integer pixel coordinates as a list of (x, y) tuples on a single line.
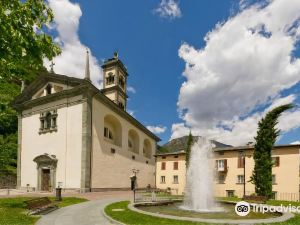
[(87, 213)]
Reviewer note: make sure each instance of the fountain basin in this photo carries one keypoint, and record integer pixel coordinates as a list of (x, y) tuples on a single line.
[(174, 208), (210, 210)]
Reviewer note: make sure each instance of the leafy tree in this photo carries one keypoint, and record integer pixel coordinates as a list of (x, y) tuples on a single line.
[(8, 154), (188, 149), (265, 140), (23, 46), (24, 43)]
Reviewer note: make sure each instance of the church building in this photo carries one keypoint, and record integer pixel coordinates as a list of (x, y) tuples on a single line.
[(78, 137)]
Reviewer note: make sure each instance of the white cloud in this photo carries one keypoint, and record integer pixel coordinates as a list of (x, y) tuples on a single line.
[(131, 89), (71, 62), (169, 9), (295, 143), (179, 130), (157, 129), (246, 62)]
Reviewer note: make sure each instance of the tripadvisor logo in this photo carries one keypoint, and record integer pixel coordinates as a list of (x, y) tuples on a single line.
[(242, 208)]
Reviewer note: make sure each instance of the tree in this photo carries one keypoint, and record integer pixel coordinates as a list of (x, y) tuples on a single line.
[(8, 154), (23, 46), (24, 43), (265, 140), (188, 149)]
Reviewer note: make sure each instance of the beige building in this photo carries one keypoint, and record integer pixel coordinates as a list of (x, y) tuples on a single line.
[(229, 166), (77, 137)]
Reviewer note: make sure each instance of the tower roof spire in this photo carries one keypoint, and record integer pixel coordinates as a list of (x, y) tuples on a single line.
[(87, 66)]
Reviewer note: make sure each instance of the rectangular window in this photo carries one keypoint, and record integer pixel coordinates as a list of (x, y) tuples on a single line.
[(240, 179), (175, 179), (273, 179), (105, 132), (241, 162), (175, 166), (275, 161), (163, 165), (108, 133), (221, 178), (48, 121), (162, 179), (221, 165), (230, 193), (54, 122), (274, 195)]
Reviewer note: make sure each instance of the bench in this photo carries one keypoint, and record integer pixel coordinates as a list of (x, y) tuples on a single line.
[(254, 198), (41, 205)]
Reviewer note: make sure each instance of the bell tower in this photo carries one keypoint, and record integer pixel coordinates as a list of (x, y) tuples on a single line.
[(115, 81)]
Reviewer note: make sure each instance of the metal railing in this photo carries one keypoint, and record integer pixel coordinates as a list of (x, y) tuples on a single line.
[(154, 195), (283, 196)]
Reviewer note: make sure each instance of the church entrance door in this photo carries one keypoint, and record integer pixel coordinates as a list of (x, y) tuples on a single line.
[(46, 172), (45, 180)]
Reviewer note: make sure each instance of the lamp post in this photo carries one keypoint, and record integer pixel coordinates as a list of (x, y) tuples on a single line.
[(244, 162)]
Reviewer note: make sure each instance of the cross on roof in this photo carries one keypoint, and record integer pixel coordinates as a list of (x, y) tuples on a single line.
[(52, 67)]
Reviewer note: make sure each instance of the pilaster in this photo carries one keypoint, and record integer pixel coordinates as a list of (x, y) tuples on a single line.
[(86, 145), (19, 151)]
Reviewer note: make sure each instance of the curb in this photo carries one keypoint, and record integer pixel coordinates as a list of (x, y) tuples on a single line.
[(113, 221), (282, 218)]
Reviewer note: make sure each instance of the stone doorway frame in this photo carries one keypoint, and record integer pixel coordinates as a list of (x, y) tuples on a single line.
[(46, 161)]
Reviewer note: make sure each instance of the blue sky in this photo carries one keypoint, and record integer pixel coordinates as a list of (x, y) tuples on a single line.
[(156, 49), (148, 45)]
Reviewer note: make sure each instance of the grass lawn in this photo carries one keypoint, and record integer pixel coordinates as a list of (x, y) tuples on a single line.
[(133, 218), (13, 210)]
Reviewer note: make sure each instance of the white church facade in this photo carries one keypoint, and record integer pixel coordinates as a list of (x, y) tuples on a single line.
[(78, 137)]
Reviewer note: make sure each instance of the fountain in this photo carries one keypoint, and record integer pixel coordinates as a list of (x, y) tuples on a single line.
[(199, 186), (199, 203)]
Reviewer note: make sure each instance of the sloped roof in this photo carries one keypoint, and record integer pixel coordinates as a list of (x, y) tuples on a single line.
[(40, 81), (79, 86), (180, 144), (251, 147)]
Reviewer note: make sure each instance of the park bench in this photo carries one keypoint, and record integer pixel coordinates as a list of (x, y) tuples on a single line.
[(41, 205), (256, 199)]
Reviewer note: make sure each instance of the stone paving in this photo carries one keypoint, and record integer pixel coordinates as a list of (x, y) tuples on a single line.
[(87, 213)]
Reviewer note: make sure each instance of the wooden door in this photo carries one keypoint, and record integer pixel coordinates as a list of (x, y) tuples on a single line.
[(45, 180)]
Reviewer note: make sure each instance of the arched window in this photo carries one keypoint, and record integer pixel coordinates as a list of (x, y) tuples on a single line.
[(133, 141), (110, 79), (112, 130), (147, 152), (121, 105), (122, 82)]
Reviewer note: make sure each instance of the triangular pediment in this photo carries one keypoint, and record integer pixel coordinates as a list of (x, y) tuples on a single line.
[(51, 88), (47, 84)]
